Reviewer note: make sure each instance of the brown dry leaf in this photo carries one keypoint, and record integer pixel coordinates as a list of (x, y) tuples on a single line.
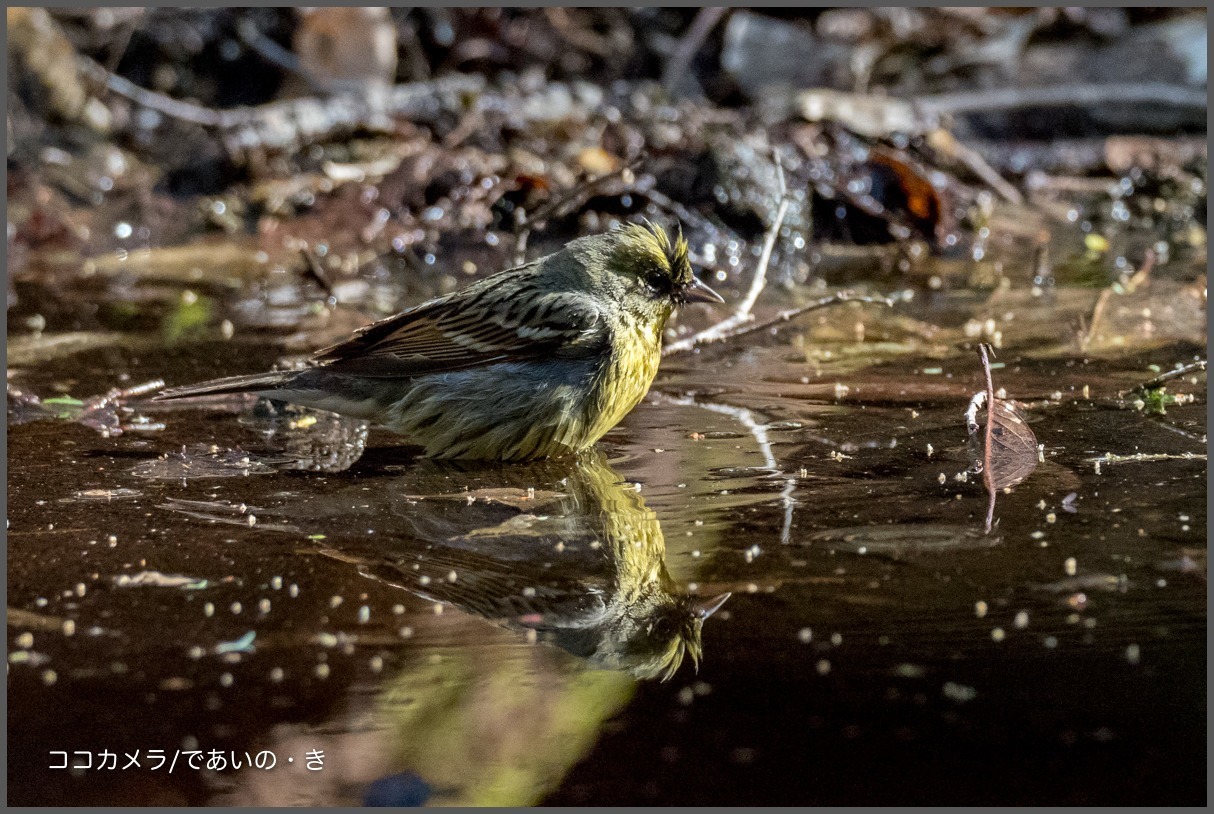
[(1013, 454)]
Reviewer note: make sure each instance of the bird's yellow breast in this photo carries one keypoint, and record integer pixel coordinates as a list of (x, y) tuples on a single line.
[(625, 378)]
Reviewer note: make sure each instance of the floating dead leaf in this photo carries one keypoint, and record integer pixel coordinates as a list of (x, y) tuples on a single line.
[(1006, 451), (1013, 453)]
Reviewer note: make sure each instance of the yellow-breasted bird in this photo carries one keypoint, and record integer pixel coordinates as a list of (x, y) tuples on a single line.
[(537, 361), (604, 595)]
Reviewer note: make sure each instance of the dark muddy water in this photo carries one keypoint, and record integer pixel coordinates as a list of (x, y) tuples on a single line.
[(228, 583)]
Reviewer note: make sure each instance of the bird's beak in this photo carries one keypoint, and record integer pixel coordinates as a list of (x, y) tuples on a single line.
[(698, 292), (710, 606)]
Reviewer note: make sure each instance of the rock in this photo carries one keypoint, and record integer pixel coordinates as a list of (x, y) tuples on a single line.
[(761, 53)]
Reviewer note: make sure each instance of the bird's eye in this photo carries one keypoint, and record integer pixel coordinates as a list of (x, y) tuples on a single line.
[(658, 281)]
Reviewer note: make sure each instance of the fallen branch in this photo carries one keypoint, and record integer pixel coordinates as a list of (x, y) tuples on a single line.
[(742, 314), (291, 124), (779, 319), (1164, 378)]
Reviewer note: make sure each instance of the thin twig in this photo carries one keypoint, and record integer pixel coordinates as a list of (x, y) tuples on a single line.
[(781, 318), (1102, 302), (313, 271), (742, 315), (1164, 378), (275, 54), (174, 109), (988, 174), (705, 21), (758, 431), (988, 479)]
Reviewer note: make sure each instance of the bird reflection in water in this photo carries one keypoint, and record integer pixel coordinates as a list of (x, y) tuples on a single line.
[(585, 569)]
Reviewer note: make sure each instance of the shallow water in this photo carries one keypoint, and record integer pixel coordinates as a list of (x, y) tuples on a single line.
[(233, 580)]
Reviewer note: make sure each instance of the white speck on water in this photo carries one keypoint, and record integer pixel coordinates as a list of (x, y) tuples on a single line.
[(998, 634), (376, 664), (398, 609), (25, 641), (1133, 653), (263, 605), (293, 591), (959, 692), (49, 677), (208, 609), (322, 671), (438, 608), (226, 680), (364, 615), (805, 635), (836, 639), (276, 675), (236, 608), (69, 627), (335, 600), (1070, 566), (423, 579), (1050, 642), (1021, 621), (980, 609), (276, 583), (529, 592), (823, 667), (405, 632)]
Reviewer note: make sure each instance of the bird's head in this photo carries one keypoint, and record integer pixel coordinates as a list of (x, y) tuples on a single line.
[(654, 637), (640, 266)]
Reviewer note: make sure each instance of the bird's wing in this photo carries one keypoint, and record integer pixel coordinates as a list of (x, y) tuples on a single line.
[(473, 328)]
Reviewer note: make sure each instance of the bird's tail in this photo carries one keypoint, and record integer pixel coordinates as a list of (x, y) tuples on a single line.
[(253, 383)]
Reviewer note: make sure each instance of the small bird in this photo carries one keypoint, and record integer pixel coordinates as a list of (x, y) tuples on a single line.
[(534, 362), (607, 597)]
